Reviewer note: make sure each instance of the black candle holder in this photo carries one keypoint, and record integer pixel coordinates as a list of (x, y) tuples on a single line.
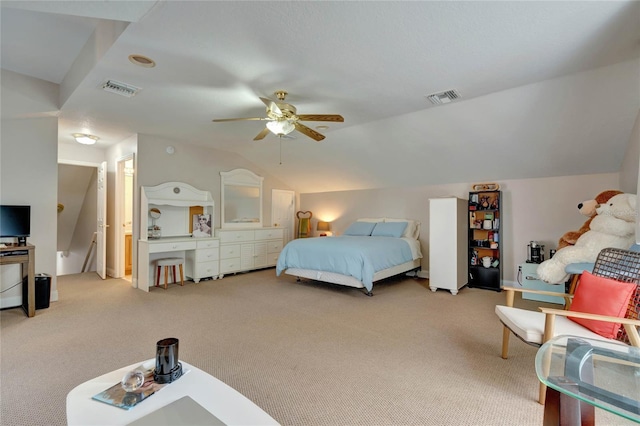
[(168, 368)]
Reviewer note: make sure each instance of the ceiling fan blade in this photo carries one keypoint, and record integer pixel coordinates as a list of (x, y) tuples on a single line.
[(219, 120), (321, 117), (262, 134), (273, 107), (308, 131)]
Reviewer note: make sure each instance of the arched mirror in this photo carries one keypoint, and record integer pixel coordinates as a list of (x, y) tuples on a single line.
[(241, 194)]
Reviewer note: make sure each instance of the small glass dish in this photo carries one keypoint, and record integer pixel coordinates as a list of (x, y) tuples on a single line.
[(133, 380)]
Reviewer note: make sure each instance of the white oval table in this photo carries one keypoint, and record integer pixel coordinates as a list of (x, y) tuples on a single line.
[(220, 399)]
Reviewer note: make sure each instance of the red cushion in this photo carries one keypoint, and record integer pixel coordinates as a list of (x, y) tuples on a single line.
[(603, 296)]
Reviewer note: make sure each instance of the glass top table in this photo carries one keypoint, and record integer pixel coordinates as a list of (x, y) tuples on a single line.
[(604, 374)]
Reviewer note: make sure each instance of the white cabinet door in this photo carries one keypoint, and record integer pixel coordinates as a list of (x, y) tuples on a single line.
[(246, 256), (260, 255)]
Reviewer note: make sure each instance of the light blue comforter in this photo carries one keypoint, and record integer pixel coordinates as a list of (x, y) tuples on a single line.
[(359, 257)]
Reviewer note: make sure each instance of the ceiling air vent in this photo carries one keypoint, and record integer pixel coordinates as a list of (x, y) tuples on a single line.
[(443, 97), (120, 88)]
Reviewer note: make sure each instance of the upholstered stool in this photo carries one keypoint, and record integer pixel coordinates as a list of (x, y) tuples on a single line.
[(170, 262)]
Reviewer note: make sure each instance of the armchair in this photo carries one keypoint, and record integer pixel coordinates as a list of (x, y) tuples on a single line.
[(535, 328)]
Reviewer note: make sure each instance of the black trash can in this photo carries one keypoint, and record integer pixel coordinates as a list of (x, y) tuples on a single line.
[(43, 290)]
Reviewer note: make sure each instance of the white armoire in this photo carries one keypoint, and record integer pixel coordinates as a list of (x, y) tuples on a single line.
[(447, 243)]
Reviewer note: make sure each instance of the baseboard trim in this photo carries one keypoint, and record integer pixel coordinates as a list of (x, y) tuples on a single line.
[(423, 274), (10, 302)]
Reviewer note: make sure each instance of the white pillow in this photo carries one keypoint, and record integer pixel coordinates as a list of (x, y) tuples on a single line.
[(411, 231), (368, 219)]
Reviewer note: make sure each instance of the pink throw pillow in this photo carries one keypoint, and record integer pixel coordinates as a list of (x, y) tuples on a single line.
[(603, 296)]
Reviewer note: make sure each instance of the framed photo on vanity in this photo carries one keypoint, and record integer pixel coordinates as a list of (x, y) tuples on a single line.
[(202, 226)]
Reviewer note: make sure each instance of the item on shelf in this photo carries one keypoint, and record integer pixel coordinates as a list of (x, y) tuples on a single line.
[(154, 232), (484, 202), (494, 245), (486, 261), (535, 252), (487, 224), (477, 187)]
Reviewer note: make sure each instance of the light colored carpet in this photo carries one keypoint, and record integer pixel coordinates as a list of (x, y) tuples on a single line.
[(307, 353)]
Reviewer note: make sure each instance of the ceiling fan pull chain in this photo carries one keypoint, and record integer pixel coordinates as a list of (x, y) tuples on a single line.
[(280, 137)]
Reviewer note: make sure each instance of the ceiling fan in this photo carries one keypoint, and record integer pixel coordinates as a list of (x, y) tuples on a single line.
[(282, 119)]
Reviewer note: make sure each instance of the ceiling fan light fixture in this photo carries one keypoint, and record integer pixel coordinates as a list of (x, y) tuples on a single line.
[(280, 127)]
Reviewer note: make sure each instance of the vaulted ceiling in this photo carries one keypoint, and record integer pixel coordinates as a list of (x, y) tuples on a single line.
[(546, 88)]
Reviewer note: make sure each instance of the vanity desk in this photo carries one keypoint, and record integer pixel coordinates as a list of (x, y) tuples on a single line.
[(170, 207)]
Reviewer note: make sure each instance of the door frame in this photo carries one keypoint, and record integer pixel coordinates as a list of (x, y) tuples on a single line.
[(82, 164), (120, 192), (292, 222)]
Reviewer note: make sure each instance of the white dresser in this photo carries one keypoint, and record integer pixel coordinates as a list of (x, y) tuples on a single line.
[(247, 249)]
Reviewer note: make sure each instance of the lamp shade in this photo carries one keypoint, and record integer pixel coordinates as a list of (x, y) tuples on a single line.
[(323, 226), (281, 127)]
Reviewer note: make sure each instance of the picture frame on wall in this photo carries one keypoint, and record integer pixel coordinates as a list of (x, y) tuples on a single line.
[(202, 226)]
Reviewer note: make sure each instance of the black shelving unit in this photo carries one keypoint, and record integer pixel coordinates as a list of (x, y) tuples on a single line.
[(485, 240)]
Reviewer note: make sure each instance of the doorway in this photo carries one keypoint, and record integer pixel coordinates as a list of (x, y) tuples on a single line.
[(283, 203), (77, 217), (124, 196)]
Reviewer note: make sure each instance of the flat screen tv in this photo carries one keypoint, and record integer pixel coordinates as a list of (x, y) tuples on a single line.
[(15, 221)]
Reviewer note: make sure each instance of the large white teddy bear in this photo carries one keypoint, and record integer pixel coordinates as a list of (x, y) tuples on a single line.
[(613, 226)]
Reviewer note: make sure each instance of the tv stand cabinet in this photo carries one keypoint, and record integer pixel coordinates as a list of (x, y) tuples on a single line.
[(28, 262)]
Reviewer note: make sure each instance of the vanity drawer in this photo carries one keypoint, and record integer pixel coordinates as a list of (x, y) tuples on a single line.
[(236, 236), (269, 234), (208, 244), (230, 251), (171, 246), (207, 255), (274, 247), (206, 269), (229, 265), (272, 259)]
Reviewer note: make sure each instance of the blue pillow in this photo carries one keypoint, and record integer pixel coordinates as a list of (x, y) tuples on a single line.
[(362, 229), (389, 229)]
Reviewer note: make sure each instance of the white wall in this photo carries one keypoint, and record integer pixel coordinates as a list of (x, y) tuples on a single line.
[(532, 209), (29, 170), (629, 172), (31, 180), (198, 166)]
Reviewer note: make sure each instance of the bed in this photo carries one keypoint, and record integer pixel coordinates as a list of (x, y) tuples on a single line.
[(368, 251)]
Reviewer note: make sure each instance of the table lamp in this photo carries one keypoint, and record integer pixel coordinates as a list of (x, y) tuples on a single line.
[(323, 227)]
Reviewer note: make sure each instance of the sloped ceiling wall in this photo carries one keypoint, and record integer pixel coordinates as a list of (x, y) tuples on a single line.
[(73, 183)]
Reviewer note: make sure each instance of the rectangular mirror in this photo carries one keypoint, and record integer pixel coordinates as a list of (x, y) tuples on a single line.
[(242, 204), (241, 194)]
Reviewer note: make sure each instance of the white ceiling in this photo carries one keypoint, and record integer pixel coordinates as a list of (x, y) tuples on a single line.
[(548, 88)]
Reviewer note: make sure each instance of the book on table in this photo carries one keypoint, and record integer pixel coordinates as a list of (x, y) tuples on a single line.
[(117, 396)]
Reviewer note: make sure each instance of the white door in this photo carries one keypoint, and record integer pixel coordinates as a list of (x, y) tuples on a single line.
[(282, 211), (101, 240)]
